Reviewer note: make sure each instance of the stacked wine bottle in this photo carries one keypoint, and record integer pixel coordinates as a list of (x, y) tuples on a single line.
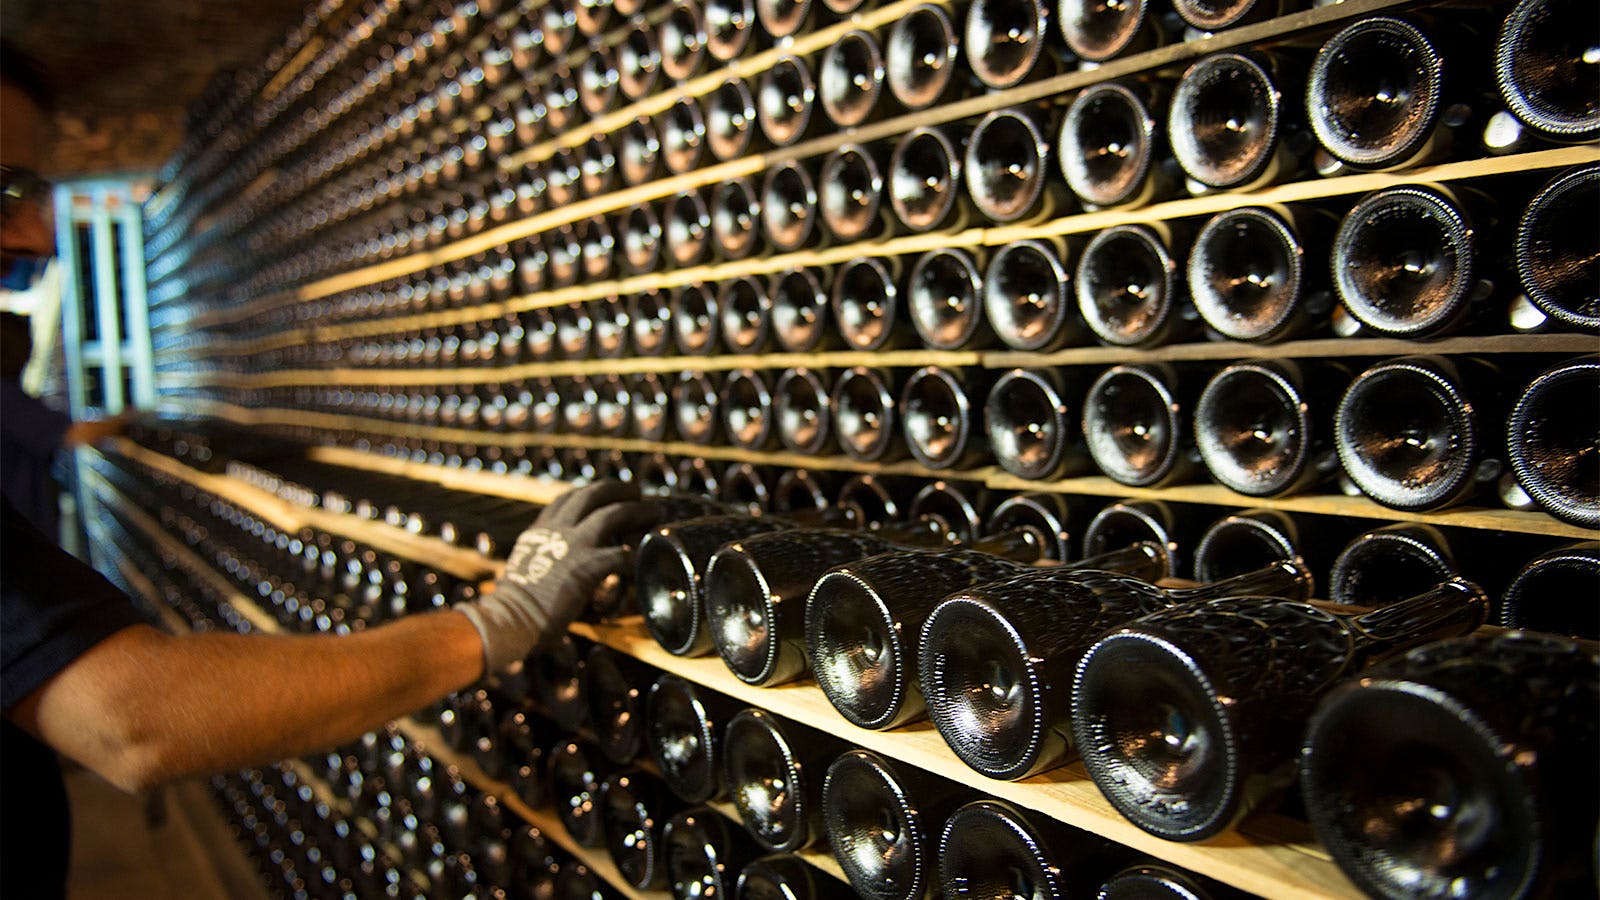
[(931, 316)]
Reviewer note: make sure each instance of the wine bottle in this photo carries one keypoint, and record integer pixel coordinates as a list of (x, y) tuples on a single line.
[(641, 235), (1026, 297), (686, 228), (747, 410), (730, 114), (1386, 92), (920, 59), (634, 808), (615, 693), (574, 879), (1165, 675), (1249, 540), (1111, 147), (996, 661), (864, 414), (1265, 428), (1230, 122), (1251, 273), (599, 80), (800, 310), (579, 401), (671, 563), (1155, 880), (925, 181), (866, 303), (639, 151), (696, 476), (789, 207), (744, 488), (577, 770), (1390, 563), (781, 876), (574, 330), (799, 491), (731, 28), (1008, 162), (682, 40), (1410, 262), (654, 473), (1550, 440), (1555, 255), (1128, 288), (1542, 62), (938, 419), (1098, 32), (1408, 772), (705, 853), (882, 819), (774, 771), (989, 847), (1409, 431), (683, 135), (786, 100), (1032, 433), (944, 297), (694, 320), (850, 192), (1044, 515), (1134, 424), (1551, 593), (785, 18), (802, 409), (1206, 16), (735, 219), (850, 79), (638, 61), (752, 586), (685, 733), (1129, 522), (1008, 42), (860, 616), (648, 408), (653, 324)]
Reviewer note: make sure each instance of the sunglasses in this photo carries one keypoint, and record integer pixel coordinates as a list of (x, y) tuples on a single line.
[(19, 186)]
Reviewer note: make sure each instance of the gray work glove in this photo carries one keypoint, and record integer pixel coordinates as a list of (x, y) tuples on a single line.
[(554, 568)]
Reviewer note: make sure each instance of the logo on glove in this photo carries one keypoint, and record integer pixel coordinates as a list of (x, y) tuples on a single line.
[(536, 552)]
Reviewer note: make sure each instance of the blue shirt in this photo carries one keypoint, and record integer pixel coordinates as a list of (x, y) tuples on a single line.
[(53, 609), (30, 435)]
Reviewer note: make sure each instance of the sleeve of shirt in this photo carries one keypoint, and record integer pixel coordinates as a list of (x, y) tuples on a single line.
[(53, 608), (29, 423)]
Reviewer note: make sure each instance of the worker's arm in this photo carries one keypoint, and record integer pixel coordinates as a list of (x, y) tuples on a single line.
[(143, 707)]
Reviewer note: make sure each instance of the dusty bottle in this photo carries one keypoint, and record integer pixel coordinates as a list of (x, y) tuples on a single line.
[(1550, 442)]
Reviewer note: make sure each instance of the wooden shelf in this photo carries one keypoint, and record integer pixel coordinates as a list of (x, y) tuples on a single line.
[(286, 516), (1272, 856), (1311, 349), (1164, 57), (1509, 520), (1295, 192)]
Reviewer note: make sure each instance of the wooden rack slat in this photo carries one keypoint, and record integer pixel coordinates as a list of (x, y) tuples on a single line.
[(1509, 520), (1293, 192), (285, 516), (1159, 58)]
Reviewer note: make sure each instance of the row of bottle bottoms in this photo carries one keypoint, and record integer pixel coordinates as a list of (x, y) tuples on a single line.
[(1108, 142), (1410, 261), (1350, 564), (1412, 433)]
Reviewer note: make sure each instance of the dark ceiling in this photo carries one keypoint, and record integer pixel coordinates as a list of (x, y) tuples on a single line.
[(125, 71)]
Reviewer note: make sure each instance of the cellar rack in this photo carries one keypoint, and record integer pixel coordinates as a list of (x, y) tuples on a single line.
[(1292, 192), (1508, 520), (1161, 57), (1270, 855), (424, 736)]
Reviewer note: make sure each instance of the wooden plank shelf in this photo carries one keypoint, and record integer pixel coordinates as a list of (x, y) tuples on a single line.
[(1508, 520), (1205, 205), (1165, 57), (286, 516)]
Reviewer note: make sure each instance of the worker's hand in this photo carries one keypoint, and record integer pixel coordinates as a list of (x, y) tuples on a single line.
[(555, 566)]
